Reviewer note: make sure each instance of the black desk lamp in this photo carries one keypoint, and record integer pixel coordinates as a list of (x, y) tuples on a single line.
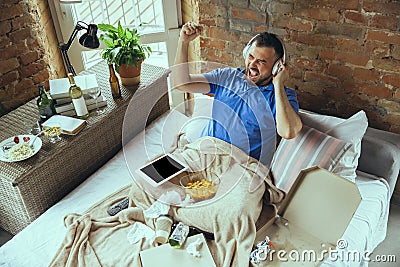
[(88, 39)]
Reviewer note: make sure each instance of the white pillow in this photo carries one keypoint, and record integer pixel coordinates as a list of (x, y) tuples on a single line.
[(202, 105), (193, 127), (350, 130), (201, 115)]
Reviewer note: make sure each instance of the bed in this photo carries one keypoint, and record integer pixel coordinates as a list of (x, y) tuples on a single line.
[(37, 244)]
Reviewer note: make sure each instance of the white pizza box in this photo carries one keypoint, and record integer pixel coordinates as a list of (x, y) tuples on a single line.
[(165, 255), (311, 219)]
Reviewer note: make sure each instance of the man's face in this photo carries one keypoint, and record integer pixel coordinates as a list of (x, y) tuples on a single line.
[(259, 63)]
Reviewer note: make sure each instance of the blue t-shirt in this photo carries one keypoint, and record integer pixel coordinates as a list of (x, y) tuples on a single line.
[(243, 113)]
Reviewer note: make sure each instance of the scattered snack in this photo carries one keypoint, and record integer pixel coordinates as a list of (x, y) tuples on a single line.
[(19, 151), (200, 189), (52, 131)]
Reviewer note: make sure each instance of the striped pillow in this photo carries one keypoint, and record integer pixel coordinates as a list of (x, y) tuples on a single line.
[(310, 147)]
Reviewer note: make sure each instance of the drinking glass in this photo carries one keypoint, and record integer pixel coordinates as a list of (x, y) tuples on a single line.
[(33, 127), (52, 131), (95, 93)]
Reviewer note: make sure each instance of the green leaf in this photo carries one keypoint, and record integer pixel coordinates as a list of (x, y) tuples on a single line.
[(121, 31), (129, 35), (106, 28), (108, 43), (122, 45)]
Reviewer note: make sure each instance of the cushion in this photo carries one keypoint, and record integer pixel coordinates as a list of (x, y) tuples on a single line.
[(203, 105), (310, 147), (201, 116), (194, 127), (350, 130)]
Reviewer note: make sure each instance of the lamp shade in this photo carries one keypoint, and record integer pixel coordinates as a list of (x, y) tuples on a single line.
[(89, 38)]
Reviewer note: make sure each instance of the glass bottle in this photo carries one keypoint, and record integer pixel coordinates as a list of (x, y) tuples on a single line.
[(75, 92), (114, 82), (45, 104)]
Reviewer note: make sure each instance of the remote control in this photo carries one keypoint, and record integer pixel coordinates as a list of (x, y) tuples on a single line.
[(118, 207)]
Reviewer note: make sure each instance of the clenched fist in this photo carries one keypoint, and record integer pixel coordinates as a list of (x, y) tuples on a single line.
[(190, 31)]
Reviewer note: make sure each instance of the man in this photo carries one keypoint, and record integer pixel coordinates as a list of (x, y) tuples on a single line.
[(250, 105)]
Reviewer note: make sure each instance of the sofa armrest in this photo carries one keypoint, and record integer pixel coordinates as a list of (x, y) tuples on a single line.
[(380, 155)]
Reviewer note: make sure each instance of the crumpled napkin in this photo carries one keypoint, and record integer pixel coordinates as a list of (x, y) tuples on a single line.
[(194, 248), (156, 209), (160, 207), (140, 231)]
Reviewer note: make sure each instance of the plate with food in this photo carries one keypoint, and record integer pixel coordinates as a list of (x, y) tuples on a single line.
[(18, 148)]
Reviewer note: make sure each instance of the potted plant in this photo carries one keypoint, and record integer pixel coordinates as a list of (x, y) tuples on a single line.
[(124, 50)]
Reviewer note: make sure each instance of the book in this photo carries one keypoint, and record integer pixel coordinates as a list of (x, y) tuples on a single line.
[(69, 106), (70, 126), (64, 100), (91, 107), (59, 88)]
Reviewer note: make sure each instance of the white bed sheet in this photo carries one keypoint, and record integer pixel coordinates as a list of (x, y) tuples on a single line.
[(37, 243)]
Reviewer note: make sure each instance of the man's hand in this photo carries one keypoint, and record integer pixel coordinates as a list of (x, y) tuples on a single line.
[(282, 75), (190, 31), (180, 77), (288, 123)]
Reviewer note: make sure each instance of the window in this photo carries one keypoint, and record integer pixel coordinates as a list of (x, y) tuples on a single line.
[(160, 20)]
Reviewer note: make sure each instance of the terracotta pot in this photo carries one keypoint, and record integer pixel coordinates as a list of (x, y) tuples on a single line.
[(130, 74)]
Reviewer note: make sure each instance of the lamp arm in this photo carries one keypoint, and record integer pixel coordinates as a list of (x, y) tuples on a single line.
[(80, 25), (68, 64), (64, 47)]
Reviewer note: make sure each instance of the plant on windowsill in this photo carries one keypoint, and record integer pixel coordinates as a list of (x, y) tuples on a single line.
[(124, 50)]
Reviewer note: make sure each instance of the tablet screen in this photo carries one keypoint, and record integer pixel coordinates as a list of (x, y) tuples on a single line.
[(162, 168)]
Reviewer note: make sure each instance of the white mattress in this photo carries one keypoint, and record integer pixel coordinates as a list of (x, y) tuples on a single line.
[(37, 243)]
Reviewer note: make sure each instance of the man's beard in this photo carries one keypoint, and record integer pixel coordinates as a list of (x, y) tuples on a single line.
[(262, 81)]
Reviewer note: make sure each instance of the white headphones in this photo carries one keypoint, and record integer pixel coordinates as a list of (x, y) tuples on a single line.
[(277, 65)]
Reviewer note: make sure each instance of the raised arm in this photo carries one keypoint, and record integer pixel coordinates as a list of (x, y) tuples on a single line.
[(288, 122), (181, 77)]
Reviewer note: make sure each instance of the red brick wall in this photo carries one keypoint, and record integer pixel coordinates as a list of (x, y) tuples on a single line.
[(343, 55), (190, 12), (28, 51)]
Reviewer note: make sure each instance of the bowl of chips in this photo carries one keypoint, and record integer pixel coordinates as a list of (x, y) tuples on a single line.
[(200, 186)]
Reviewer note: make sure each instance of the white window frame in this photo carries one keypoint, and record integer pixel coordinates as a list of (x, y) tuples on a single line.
[(64, 24)]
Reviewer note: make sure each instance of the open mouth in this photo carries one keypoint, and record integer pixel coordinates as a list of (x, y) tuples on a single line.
[(253, 74)]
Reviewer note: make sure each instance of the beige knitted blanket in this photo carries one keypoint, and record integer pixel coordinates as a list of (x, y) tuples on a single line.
[(96, 239)]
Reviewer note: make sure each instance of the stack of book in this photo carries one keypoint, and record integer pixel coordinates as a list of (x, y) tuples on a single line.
[(59, 92)]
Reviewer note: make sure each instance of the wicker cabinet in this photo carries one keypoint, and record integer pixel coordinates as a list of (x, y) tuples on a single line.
[(30, 187)]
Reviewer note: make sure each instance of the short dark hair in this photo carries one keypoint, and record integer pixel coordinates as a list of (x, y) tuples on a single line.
[(266, 39)]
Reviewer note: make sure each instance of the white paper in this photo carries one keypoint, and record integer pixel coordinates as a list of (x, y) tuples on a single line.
[(158, 208), (194, 248), (140, 231)]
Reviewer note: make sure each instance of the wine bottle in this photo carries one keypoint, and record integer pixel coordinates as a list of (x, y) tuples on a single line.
[(114, 82), (45, 104), (75, 92)]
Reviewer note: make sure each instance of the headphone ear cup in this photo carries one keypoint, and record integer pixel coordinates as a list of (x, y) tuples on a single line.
[(275, 68)]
